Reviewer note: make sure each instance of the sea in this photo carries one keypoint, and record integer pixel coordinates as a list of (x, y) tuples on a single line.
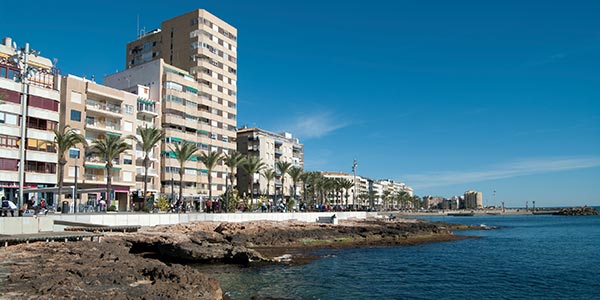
[(526, 257)]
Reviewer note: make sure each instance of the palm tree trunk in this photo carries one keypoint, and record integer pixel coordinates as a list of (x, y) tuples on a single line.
[(181, 172), (250, 185), (108, 184), (210, 185), (61, 174)]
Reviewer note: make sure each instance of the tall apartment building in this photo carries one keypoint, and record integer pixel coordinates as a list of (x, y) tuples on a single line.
[(42, 117), (95, 111), (473, 200), (190, 68), (270, 147)]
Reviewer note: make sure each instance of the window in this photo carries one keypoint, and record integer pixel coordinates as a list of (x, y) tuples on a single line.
[(128, 126), (7, 118), (71, 172), (75, 115), (40, 145), (127, 160), (8, 164), (75, 97), (127, 176), (129, 109), (40, 167), (9, 141), (13, 74)]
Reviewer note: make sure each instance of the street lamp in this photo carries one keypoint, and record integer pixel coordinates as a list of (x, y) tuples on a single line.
[(354, 165), (75, 154), (21, 59)]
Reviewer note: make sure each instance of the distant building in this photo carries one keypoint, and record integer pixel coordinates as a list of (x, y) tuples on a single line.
[(271, 148), (473, 200), (431, 202)]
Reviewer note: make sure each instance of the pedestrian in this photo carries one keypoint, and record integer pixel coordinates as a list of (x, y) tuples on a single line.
[(6, 207)]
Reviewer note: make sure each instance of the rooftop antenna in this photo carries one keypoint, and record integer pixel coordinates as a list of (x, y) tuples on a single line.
[(138, 26)]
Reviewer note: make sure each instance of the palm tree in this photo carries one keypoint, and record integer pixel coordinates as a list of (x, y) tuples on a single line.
[(109, 148), (64, 139), (306, 179), (210, 161), (283, 167), (347, 184), (150, 137), (183, 153), (269, 174), (252, 165), (385, 198), (233, 160), (295, 173)]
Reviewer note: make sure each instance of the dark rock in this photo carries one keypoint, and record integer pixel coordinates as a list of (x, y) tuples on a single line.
[(578, 211)]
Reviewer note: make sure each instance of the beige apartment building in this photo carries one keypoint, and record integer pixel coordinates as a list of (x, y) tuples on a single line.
[(270, 148), (473, 199), (42, 98), (361, 185), (96, 111), (190, 68)]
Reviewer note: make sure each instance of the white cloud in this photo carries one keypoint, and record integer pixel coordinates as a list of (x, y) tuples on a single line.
[(506, 170), (314, 125)]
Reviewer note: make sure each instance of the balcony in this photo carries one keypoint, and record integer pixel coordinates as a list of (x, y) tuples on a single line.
[(103, 108), (139, 171), (147, 107), (107, 127)]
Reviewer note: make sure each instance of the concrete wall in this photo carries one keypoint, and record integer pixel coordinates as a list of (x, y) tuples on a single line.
[(25, 225), (110, 219)]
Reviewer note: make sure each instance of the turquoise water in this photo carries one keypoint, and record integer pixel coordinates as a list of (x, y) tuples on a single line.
[(529, 257)]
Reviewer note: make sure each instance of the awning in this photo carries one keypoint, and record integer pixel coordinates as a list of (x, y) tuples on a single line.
[(191, 89), (144, 100), (113, 133), (174, 139), (100, 167)]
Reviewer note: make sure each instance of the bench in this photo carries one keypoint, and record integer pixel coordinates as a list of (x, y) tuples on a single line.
[(328, 220)]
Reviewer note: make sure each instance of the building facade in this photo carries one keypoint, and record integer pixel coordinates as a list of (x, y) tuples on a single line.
[(270, 148), (97, 111), (190, 68), (41, 116), (473, 200)]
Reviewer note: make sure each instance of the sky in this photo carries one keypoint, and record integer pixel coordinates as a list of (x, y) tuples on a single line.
[(445, 96)]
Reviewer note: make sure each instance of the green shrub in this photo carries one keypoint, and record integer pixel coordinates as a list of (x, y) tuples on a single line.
[(112, 208)]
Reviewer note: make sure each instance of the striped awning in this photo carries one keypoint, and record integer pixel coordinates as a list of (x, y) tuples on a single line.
[(144, 100)]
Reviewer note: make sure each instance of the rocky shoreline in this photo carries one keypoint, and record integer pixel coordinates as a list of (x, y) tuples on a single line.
[(578, 211), (151, 264)]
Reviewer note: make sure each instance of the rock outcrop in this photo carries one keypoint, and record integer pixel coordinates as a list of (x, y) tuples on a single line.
[(148, 264), (578, 211), (92, 270)]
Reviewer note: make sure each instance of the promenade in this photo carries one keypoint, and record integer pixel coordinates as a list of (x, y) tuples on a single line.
[(46, 223)]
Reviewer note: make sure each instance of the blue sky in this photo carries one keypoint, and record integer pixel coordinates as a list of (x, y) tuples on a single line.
[(445, 96)]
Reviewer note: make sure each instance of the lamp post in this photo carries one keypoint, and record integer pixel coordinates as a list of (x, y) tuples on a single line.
[(354, 165), (75, 185), (21, 59), (226, 194)]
